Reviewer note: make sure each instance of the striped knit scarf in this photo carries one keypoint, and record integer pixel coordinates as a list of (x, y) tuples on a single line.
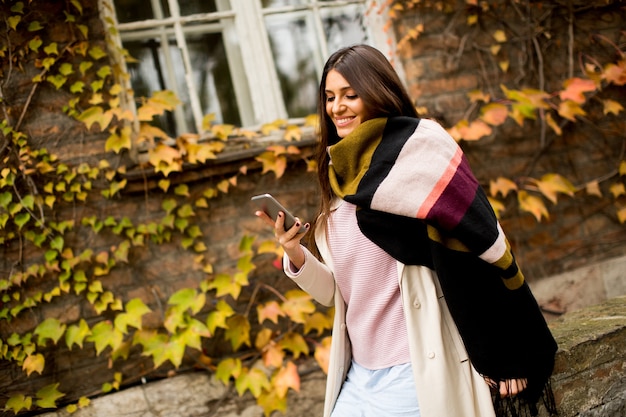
[(419, 201)]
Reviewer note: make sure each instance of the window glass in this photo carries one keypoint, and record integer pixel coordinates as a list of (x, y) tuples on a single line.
[(295, 44), (245, 65), (279, 3), (343, 26), (292, 44), (211, 77), (133, 10)]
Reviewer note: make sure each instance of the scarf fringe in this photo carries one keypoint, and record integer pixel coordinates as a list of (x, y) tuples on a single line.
[(519, 406)]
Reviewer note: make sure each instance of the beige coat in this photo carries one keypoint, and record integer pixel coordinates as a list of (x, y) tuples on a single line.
[(447, 384)]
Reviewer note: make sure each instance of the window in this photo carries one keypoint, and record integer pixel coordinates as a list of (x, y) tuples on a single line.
[(247, 62)]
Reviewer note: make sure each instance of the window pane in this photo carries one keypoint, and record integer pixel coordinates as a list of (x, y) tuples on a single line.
[(148, 75), (343, 26), (133, 10), (212, 77), (293, 43), (278, 3), (210, 74), (196, 6)]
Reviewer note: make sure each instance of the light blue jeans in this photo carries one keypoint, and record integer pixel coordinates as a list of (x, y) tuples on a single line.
[(388, 392)]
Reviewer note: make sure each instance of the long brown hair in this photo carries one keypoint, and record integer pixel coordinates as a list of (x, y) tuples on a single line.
[(374, 80)]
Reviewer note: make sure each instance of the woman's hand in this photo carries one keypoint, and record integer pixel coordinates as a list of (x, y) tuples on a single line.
[(288, 239), (509, 387)]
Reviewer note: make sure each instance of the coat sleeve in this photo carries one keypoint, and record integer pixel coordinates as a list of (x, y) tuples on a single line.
[(314, 277)]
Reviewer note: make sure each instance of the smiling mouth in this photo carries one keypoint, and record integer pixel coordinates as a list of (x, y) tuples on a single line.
[(344, 121)]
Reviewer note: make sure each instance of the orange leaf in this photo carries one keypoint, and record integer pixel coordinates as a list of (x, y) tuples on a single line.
[(322, 353), (270, 311), (616, 73), (287, 377), (474, 131), (273, 356), (495, 114), (575, 89)]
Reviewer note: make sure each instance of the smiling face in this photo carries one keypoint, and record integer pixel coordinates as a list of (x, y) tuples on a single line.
[(344, 107)]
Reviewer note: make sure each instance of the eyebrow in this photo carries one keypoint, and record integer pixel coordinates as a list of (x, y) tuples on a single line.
[(341, 89)]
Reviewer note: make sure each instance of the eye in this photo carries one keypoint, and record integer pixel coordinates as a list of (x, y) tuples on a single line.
[(330, 99), (352, 96)]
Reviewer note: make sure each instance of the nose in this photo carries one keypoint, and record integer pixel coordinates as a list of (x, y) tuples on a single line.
[(338, 106)]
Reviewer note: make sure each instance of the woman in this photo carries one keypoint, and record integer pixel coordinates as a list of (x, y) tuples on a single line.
[(432, 315)]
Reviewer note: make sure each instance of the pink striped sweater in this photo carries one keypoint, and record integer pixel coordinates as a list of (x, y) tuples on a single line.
[(368, 279)]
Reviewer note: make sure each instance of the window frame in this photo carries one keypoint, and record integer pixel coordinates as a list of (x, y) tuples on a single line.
[(244, 35)]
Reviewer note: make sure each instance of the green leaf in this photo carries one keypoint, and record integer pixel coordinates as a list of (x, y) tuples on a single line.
[(105, 335), (18, 402), (14, 21), (28, 202), (254, 380), (188, 299), (50, 328), (185, 211), (34, 26), (57, 243), (238, 331), (96, 52), (47, 396), (228, 368), (5, 199), (21, 219), (35, 43), (168, 205), (135, 309), (76, 334), (218, 317)]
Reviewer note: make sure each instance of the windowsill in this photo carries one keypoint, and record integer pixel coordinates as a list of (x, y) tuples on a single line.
[(239, 151)]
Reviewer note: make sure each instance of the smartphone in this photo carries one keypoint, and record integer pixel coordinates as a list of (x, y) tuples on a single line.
[(271, 206)]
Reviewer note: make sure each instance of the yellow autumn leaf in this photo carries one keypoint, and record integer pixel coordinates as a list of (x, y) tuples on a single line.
[(501, 185), (552, 184), (478, 95), (617, 189), (622, 168), (119, 141), (612, 106), (533, 205), (553, 124), (593, 188), (621, 215), (34, 363), (499, 36), (95, 114), (569, 110)]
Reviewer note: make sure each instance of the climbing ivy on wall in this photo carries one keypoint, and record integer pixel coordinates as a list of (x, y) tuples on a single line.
[(38, 189), (589, 92)]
